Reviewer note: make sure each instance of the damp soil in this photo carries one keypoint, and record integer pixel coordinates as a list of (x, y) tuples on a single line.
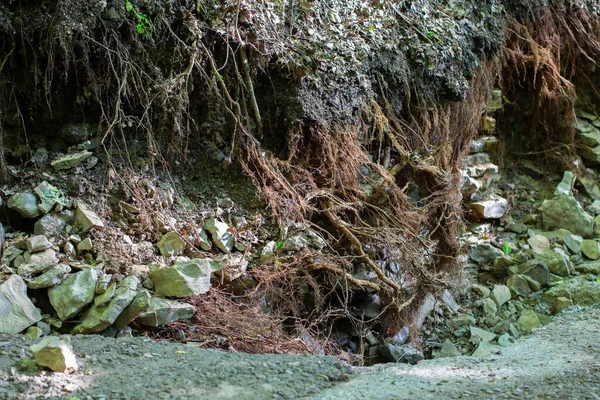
[(560, 360)]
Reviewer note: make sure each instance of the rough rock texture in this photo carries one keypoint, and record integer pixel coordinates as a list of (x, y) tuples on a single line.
[(74, 293), (563, 211), (17, 312), (55, 353), (163, 311), (185, 278)]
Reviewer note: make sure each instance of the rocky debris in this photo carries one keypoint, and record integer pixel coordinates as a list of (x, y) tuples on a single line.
[(202, 241), (494, 208), (74, 293), (52, 277), (266, 255), (17, 312), (171, 244), (34, 332), (86, 219), (84, 245), (37, 243), (138, 305), (500, 294), (485, 349), (449, 350), (557, 262), (560, 304), (485, 253), (49, 225), (573, 242), (184, 278), (519, 286), (230, 267), (55, 353), (164, 311), (37, 263), (479, 335), (401, 354), (528, 321), (563, 211), (539, 244), (582, 290), (220, 234), (566, 185), (70, 160), (25, 203), (590, 249)]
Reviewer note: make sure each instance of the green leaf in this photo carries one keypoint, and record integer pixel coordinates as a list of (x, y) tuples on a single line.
[(128, 6), (279, 245), (506, 248), (597, 279), (556, 283)]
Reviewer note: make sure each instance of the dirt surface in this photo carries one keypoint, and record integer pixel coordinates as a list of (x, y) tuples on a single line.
[(561, 360)]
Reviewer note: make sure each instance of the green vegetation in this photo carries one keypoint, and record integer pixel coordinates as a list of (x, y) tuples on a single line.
[(144, 25)]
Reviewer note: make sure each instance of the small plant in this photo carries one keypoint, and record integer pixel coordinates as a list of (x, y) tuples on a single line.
[(144, 25), (279, 245), (506, 248)]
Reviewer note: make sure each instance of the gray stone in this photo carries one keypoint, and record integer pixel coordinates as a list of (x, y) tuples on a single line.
[(560, 304), (49, 225), (25, 203), (482, 291), (38, 262), (219, 232), (489, 209), (537, 271), (449, 350), (489, 307), (171, 244), (55, 353), (163, 311), (185, 278), (230, 267), (590, 249), (590, 154), (573, 243), (50, 278), (69, 250), (266, 255), (480, 170), (501, 265), (597, 227), (566, 185), (34, 332), (401, 354), (105, 297), (479, 335), (485, 253), (48, 195), (519, 286), (528, 321), (486, 349), (70, 160), (73, 293), (557, 263), (555, 235), (469, 186), (37, 243), (579, 289), (505, 340), (17, 312), (589, 267), (140, 304), (534, 285), (202, 241), (538, 244), (84, 245), (102, 283), (295, 243), (41, 156), (563, 211), (86, 219), (99, 317), (500, 294)]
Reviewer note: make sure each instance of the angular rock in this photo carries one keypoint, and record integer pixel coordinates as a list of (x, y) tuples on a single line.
[(534, 285), (538, 244), (219, 232), (573, 243), (266, 255), (480, 335), (590, 154), (537, 271), (17, 312), (70, 160), (38, 263), (500, 294), (295, 243), (86, 219), (501, 265), (480, 170), (579, 289), (202, 241), (563, 211), (163, 311), (519, 286), (84, 245), (566, 185), (528, 321), (99, 317), (589, 267), (558, 264), (231, 267), (140, 303), (505, 340), (25, 203), (171, 244), (469, 186), (489, 209), (485, 253), (37, 243), (50, 278), (48, 195), (482, 291), (449, 350), (590, 249), (73, 293), (486, 349), (34, 332), (55, 353), (185, 278), (401, 354), (561, 303), (49, 225), (106, 296), (489, 307)]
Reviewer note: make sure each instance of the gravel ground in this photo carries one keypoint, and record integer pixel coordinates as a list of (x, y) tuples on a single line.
[(560, 361)]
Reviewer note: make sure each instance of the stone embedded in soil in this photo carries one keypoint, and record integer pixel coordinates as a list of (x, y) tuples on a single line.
[(230, 267), (49, 225), (37, 243), (164, 311), (485, 349), (573, 243), (489, 307), (202, 241), (185, 278), (140, 303), (73, 293), (17, 312), (538, 244), (70, 160), (34, 332), (489, 209), (528, 321), (566, 184), (482, 291), (171, 244), (55, 353), (580, 289), (557, 263), (480, 170), (25, 203), (537, 271), (561, 303), (266, 255), (500, 294), (479, 335), (519, 286), (563, 211), (84, 245), (86, 219), (401, 354), (485, 253), (590, 154), (505, 340), (99, 317), (50, 278), (590, 249), (449, 350), (219, 232), (38, 263), (295, 243)]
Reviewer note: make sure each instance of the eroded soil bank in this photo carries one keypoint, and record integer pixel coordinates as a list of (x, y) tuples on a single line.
[(560, 360)]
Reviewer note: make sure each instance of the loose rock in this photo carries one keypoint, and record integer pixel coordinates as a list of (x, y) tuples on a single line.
[(55, 353), (74, 293), (163, 311), (17, 312)]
